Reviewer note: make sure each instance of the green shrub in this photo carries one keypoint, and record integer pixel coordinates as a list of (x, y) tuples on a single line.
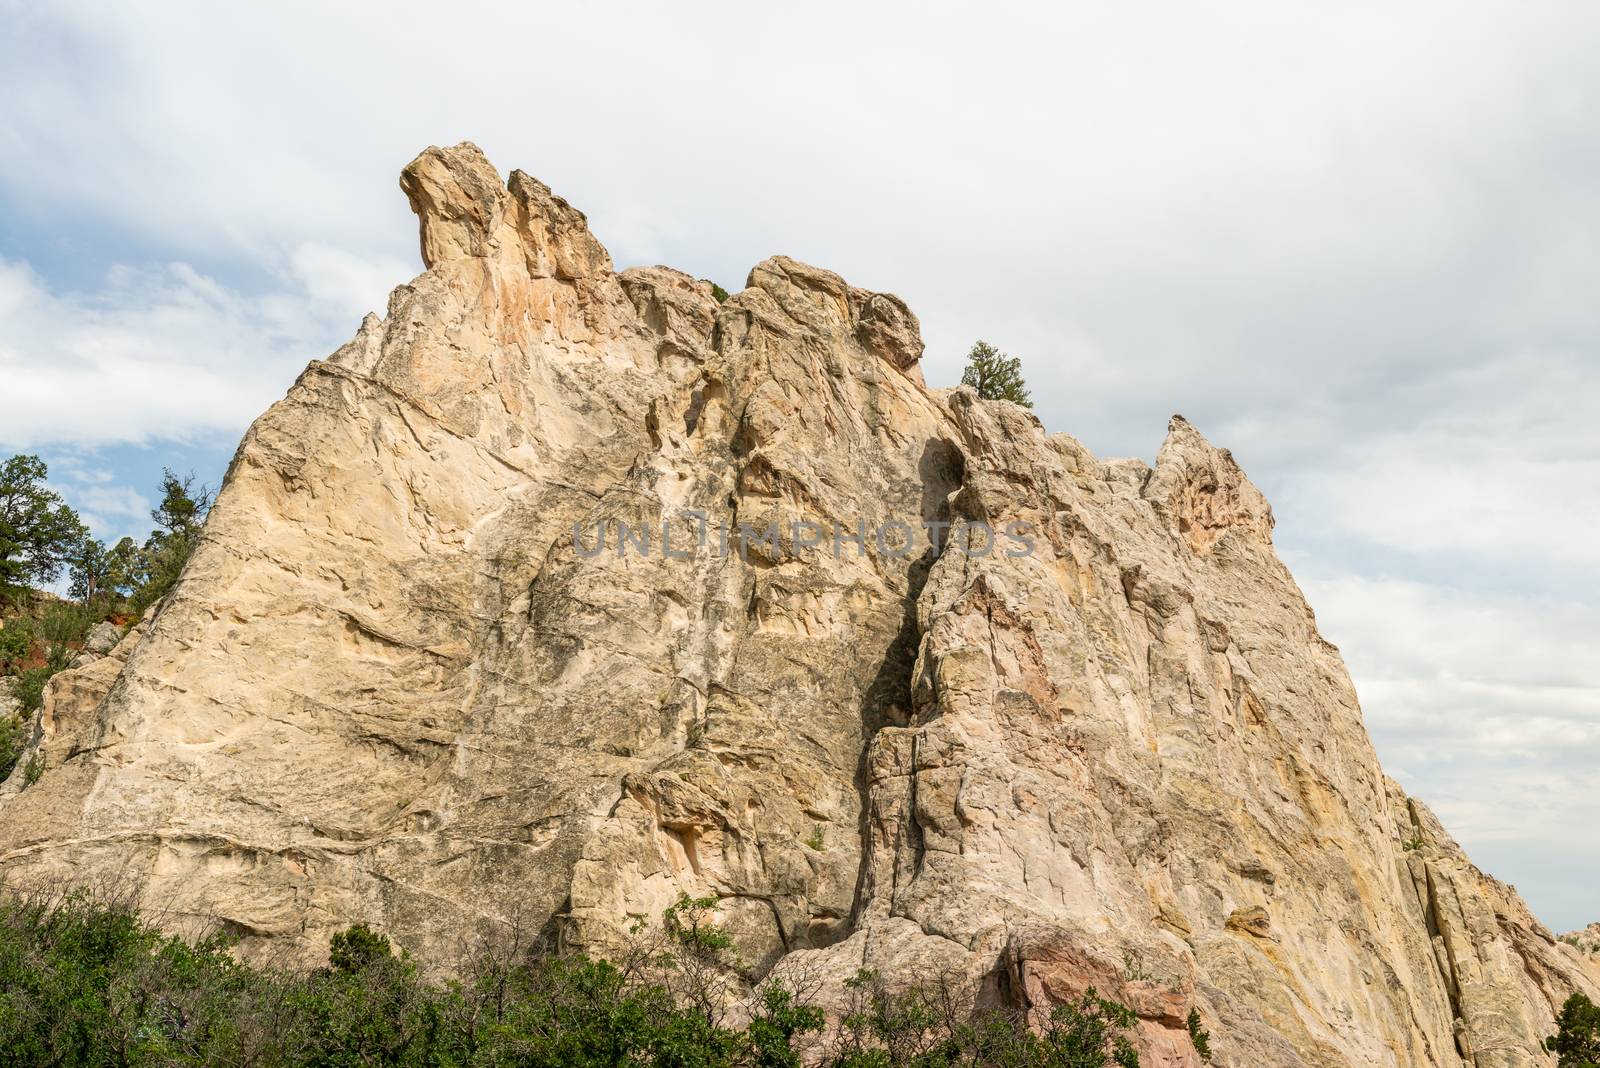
[(33, 771), (935, 1024), (16, 638), (28, 687), (1199, 1036), (84, 981), (1576, 1042), (12, 740), (689, 925), (357, 948), (995, 375), (63, 623)]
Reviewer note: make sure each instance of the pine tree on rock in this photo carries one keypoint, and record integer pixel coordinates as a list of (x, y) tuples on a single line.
[(1576, 1043), (995, 375)]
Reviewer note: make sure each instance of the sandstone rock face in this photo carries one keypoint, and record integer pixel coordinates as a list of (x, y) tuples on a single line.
[(1587, 940), (559, 591)]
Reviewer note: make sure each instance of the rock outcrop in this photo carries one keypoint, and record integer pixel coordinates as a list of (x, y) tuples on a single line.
[(559, 591), (1587, 940)]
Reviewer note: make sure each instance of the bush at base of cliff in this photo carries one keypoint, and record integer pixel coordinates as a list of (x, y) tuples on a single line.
[(84, 981), (12, 740)]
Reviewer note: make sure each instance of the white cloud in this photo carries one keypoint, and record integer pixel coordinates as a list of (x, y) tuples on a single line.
[(76, 469), (110, 512), (166, 352), (1487, 707), (1358, 244), (1494, 468), (339, 282), (112, 501)]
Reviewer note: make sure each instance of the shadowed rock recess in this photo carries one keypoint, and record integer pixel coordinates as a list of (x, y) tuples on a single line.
[(389, 688)]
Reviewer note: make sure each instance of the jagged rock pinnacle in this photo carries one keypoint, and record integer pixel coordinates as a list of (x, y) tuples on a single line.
[(403, 681)]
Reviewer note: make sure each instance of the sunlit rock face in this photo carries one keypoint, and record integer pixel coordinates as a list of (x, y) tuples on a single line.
[(419, 675)]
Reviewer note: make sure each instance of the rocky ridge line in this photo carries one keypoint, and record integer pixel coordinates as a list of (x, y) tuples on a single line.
[(389, 688)]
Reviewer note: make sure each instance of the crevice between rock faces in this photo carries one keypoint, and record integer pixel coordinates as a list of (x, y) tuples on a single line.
[(942, 472)]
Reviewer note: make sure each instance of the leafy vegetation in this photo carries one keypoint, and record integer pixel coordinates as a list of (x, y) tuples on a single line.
[(98, 572), (28, 686), (1576, 1042), (12, 740), (40, 538), (179, 518), (1579, 944), (995, 375), (38, 532), (931, 1026), (84, 981), (1199, 1036), (16, 640)]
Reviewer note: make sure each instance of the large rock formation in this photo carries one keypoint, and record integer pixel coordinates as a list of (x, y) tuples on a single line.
[(395, 686)]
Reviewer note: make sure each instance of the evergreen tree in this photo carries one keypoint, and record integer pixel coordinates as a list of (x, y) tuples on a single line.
[(995, 375), (1576, 1043), (99, 573), (183, 506), (38, 532), (179, 518)]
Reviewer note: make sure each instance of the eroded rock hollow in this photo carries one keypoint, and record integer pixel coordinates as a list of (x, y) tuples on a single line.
[(392, 686)]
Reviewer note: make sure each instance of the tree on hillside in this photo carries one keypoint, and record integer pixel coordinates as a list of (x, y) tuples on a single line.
[(38, 532), (1576, 1043), (98, 572), (995, 375), (179, 518), (183, 507)]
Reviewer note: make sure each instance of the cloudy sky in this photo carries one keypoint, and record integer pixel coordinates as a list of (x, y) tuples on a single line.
[(1358, 243)]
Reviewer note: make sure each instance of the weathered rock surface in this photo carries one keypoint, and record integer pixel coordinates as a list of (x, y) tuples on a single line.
[(102, 639), (1587, 940), (392, 686)]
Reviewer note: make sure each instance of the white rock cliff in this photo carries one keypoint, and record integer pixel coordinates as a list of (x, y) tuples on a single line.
[(391, 687)]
